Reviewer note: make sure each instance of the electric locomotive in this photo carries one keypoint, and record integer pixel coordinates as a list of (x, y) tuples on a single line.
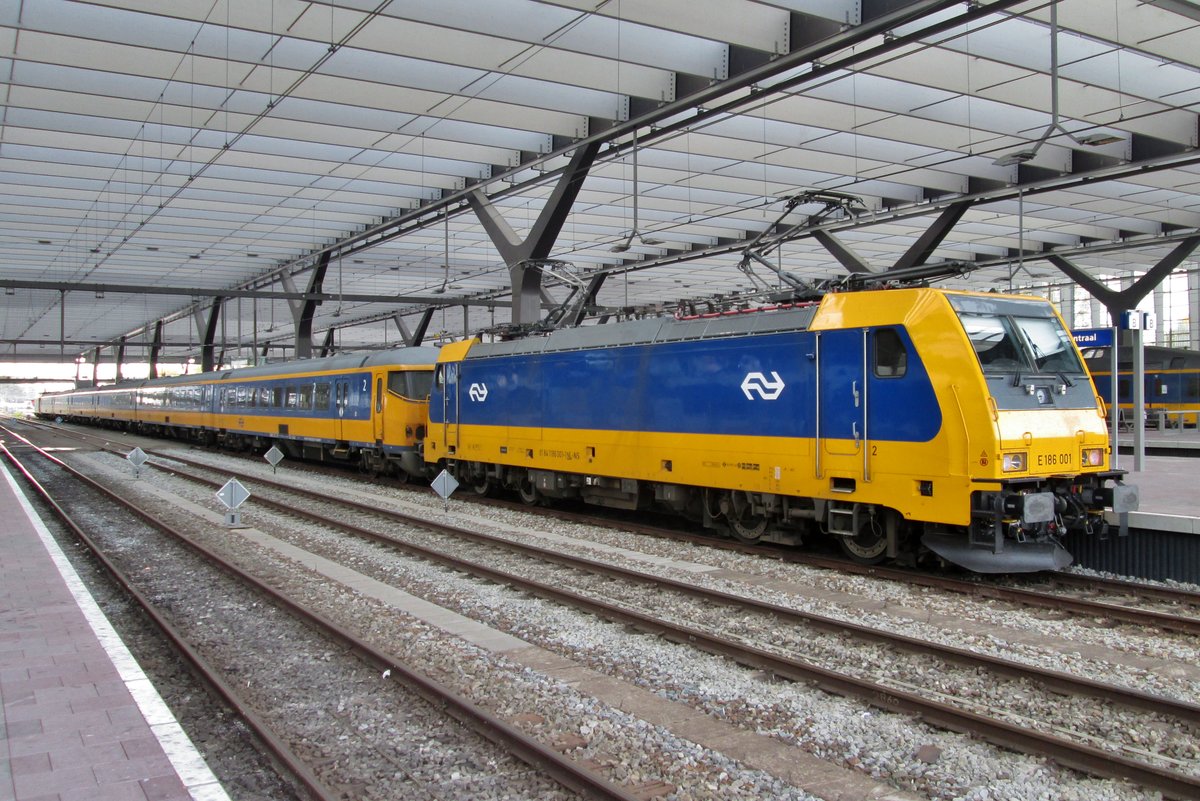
[(364, 409), (905, 423)]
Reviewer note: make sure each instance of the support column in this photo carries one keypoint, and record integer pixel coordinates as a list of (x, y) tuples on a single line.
[(207, 330), (1193, 306), (415, 337), (1128, 299), (526, 301), (156, 345), (120, 376), (303, 310), (1161, 333), (1066, 304), (327, 344)]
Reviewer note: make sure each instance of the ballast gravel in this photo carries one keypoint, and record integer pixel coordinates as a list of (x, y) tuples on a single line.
[(890, 747)]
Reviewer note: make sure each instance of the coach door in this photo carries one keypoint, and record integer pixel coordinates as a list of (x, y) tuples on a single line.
[(341, 404), (451, 405), (841, 402)]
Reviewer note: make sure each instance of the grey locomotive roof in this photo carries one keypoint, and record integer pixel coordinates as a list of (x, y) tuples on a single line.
[(654, 330), (343, 361)]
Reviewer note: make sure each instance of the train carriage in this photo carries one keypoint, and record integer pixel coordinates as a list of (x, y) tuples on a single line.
[(369, 409), (1171, 387), (900, 422)]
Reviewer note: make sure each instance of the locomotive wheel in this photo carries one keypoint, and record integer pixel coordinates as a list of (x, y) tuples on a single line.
[(369, 466), (743, 523), (748, 528), (528, 493), (481, 486), (869, 546)]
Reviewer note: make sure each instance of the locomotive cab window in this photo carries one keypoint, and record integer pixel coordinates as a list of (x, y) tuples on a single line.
[(891, 357), (411, 384), (1008, 343)]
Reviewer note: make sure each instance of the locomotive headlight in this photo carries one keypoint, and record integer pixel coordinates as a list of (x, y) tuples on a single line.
[(1015, 462), (1092, 457)]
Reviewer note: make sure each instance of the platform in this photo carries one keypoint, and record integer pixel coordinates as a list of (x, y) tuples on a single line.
[(81, 722), (1169, 489)]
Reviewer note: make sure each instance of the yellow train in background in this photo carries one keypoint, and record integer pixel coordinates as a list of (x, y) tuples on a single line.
[(368, 410)]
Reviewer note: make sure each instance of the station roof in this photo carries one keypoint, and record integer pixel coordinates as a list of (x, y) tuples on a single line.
[(154, 156)]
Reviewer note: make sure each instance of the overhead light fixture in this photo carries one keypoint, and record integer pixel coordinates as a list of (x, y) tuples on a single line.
[(621, 247), (1099, 138), (1019, 157)]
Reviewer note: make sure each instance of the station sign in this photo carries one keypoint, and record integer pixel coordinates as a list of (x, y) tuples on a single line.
[(1093, 337), (1138, 321)]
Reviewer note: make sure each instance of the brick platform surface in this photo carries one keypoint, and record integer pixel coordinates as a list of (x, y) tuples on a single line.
[(80, 720)]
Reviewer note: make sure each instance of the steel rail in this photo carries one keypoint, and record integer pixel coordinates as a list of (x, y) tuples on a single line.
[(976, 587), (1176, 595), (200, 666), (562, 769), (1086, 758)]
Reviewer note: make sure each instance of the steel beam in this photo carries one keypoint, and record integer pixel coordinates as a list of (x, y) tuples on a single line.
[(845, 256), (202, 292), (415, 337), (326, 344), (303, 311), (156, 346), (120, 346), (207, 328), (920, 251), (1126, 299), (517, 253)]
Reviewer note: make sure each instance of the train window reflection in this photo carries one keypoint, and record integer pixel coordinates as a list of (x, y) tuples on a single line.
[(1010, 344), (1051, 345)]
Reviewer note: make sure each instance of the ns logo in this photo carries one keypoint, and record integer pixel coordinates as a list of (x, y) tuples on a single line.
[(765, 388)]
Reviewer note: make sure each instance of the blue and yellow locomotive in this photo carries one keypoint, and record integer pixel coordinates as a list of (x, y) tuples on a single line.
[(902, 422), (363, 409)]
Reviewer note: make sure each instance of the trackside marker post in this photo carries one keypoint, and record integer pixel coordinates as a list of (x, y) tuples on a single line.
[(233, 495), (444, 484), (137, 457), (274, 456)]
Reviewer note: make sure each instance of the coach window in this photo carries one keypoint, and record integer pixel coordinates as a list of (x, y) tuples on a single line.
[(378, 396), (321, 398), (277, 397), (264, 397), (292, 396), (891, 357), (306, 396)]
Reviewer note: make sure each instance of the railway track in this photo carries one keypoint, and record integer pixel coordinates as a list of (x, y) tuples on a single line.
[(888, 696), (544, 758), (1092, 597)]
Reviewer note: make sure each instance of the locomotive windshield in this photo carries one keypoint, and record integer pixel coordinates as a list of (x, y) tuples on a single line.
[(1020, 337)]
